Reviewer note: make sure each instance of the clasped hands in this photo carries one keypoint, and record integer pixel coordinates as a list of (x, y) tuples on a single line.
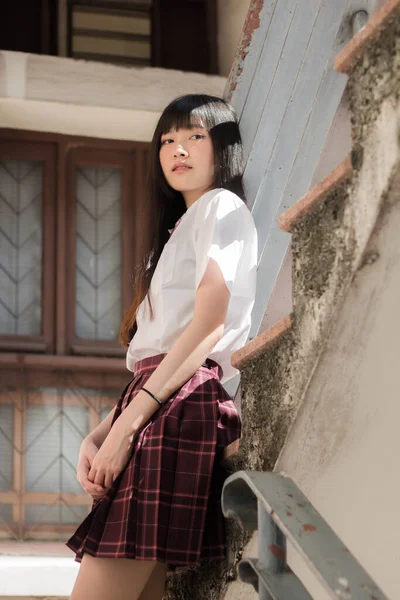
[(99, 467)]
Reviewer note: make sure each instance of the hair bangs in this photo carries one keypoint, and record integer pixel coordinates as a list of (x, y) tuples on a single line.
[(191, 111)]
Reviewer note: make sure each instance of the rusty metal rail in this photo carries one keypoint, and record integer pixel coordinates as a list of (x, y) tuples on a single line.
[(273, 504)]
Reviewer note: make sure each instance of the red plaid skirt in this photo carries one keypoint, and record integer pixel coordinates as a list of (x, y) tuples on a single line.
[(166, 504)]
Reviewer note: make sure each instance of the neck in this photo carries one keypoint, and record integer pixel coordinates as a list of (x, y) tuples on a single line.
[(192, 196)]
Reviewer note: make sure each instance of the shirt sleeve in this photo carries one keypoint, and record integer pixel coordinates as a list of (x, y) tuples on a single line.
[(220, 231)]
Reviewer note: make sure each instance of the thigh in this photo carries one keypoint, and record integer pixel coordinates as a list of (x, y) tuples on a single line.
[(155, 586), (111, 578)]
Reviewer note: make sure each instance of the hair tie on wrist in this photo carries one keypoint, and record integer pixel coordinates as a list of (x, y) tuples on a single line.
[(153, 396)]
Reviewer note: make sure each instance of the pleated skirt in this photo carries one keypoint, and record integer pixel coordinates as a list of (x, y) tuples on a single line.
[(166, 504)]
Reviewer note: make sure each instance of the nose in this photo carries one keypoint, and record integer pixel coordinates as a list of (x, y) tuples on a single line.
[(179, 151)]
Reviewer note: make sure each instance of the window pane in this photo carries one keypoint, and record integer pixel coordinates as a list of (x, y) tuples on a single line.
[(111, 34), (5, 513), (21, 193), (53, 438), (6, 447), (57, 514), (98, 253)]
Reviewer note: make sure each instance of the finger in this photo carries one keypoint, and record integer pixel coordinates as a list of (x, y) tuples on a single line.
[(98, 495), (82, 477), (91, 487), (99, 478), (108, 480), (92, 474)]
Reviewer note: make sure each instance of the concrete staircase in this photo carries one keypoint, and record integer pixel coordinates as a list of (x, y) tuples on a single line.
[(346, 264)]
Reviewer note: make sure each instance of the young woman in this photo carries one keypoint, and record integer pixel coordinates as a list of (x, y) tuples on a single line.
[(153, 466)]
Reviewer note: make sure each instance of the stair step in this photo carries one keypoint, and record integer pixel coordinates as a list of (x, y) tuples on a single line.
[(293, 214), (354, 50)]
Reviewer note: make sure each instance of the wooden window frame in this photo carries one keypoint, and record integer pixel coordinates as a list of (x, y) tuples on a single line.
[(20, 376), (27, 364), (45, 153), (106, 159), (134, 156)]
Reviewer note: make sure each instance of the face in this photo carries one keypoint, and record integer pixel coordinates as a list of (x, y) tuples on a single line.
[(193, 148)]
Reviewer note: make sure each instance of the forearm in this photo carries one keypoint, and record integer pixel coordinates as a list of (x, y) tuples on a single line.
[(99, 434), (183, 359)]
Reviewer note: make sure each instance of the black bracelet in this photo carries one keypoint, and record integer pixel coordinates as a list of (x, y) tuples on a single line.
[(153, 396)]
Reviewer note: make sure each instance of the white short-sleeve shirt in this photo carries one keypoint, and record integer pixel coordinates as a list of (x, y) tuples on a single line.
[(218, 225)]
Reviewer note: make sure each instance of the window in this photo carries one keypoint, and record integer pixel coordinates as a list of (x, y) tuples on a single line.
[(42, 424), (67, 245), (160, 33), (116, 32), (27, 191), (69, 230), (100, 248)]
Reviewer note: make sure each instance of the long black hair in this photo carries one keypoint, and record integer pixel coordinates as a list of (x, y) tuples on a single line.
[(164, 205)]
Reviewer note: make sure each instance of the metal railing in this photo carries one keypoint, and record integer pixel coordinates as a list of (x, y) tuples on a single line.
[(273, 504)]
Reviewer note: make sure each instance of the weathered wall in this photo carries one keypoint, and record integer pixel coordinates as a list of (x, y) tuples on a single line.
[(343, 448)]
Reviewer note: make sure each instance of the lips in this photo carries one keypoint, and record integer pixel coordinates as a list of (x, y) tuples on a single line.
[(180, 167)]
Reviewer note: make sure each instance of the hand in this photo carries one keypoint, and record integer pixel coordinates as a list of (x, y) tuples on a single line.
[(112, 457), (87, 453)]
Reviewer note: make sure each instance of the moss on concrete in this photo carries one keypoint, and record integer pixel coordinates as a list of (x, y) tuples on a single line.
[(265, 418), (375, 77), (210, 580), (321, 247)]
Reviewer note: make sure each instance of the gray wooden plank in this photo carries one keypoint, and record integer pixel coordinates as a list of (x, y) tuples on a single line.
[(266, 69), (316, 60), (249, 64), (298, 184), (279, 94)]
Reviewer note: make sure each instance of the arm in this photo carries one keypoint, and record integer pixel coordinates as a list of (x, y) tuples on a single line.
[(184, 358), (189, 351), (99, 433)]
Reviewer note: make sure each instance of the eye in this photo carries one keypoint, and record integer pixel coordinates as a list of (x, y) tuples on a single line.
[(199, 135), (167, 140)]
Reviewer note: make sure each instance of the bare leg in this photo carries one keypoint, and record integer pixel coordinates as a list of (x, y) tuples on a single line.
[(111, 578), (155, 587)]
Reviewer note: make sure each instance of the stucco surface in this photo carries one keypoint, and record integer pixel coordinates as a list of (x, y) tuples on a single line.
[(343, 448)]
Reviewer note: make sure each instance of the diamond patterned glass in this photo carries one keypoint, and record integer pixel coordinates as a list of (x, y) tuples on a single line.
[(5, 513), (21, 192), (56, 514), (49, 424), (98, 253), (53, 438)]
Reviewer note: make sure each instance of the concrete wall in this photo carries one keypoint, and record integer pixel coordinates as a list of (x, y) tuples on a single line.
[(59, 117), (344, 446), (63, 95)]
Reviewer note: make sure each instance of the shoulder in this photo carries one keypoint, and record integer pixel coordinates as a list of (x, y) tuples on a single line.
[(220, 202)]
